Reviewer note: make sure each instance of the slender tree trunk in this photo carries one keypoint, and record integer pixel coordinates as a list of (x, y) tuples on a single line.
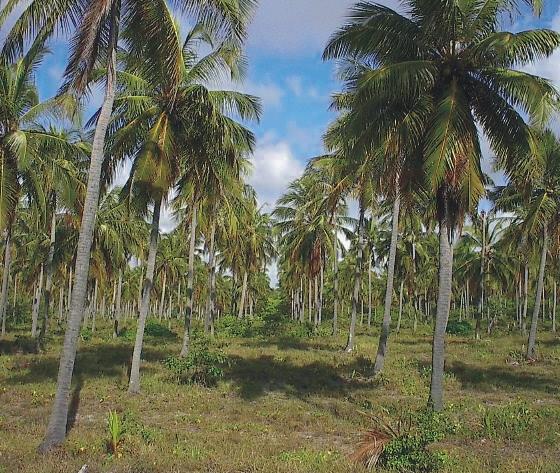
[(209, 319), (335, 284), (117, 316), (190, 282), (369, 293), (386, 326), (5, 281), (56, 430), (531, 343), (482, 273), (94, 304), (321, 288), (162, 300), (525, 298), (442, 316), (69, 295), (134, 384), (301, 301), (554, 307), (316, 288), (309, 299), (357, 281), (60, 304), (36, 305), (50, 273), (400, 306), (243, 295)]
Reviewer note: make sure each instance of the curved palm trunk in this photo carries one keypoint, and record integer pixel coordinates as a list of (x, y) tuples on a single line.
[(243, 295), (49, 278), (386, 326), (525, 299), (134, 383), (442, 316), (56, 430), (162, 299), (190, 282), (5, 281), (357, 281), (531, 343)]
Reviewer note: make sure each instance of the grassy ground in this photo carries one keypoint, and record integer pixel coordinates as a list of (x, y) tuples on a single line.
[(284, 405)]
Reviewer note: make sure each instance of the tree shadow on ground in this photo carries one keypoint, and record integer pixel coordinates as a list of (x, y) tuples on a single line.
[(491, 378), (293, 343), (101, 359), (255, 377), (74, 403)]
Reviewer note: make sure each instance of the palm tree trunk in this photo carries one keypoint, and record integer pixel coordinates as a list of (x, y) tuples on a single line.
[(369, 293), (335, 283), (400, 306), (209, 319), (118, 302), (50, 272), (243, 295), (554, 307), (525, 298), (190, 282), (531, 343), (56, 430), (95, 305), (442, 316), (162, 300), (134, 384), (357, 281), (386, 325), (321, 289), (5, 281), (36, 305)]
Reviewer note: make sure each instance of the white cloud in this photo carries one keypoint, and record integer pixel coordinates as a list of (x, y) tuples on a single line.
[(274, 167), (290, 27)]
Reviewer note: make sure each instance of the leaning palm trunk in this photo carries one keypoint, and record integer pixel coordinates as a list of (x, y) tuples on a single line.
[(5, 281), (531, 344), (49, 279), (56, 430), (243, 295), (386, 327), (357, 281), (134, 383), (190, 281), (335, 284), (442, 316)]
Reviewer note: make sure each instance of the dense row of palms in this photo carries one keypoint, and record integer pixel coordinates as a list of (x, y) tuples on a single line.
[(419, 89)]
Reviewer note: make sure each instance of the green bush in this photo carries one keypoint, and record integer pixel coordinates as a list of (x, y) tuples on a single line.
[(201, 366), (408, 441), (231, 326), (462, 328), (86, 334)]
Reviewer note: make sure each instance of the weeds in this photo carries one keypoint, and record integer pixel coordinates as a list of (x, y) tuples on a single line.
[(116, 432)]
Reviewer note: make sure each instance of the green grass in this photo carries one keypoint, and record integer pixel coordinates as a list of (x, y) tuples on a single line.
[(283, 405)]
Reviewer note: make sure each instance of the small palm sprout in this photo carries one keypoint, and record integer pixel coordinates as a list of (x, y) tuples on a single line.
[(116, 432)]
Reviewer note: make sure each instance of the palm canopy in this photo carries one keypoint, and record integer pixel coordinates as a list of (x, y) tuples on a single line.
[(168, 130), (25, 136), (447, 68), (96, 25)]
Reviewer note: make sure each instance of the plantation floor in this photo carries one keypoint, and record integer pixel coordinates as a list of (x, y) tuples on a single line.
[(284, 405)]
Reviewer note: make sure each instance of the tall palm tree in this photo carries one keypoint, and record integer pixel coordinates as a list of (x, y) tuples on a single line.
[(98, 24), (450, 63)]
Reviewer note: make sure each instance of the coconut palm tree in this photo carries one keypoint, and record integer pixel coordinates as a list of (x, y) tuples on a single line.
[(452, 59)]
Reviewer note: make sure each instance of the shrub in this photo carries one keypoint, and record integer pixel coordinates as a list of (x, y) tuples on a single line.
[(403, 446), (157, 330), (462, 328), (231, 326), (86, 334), (201, 366)]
